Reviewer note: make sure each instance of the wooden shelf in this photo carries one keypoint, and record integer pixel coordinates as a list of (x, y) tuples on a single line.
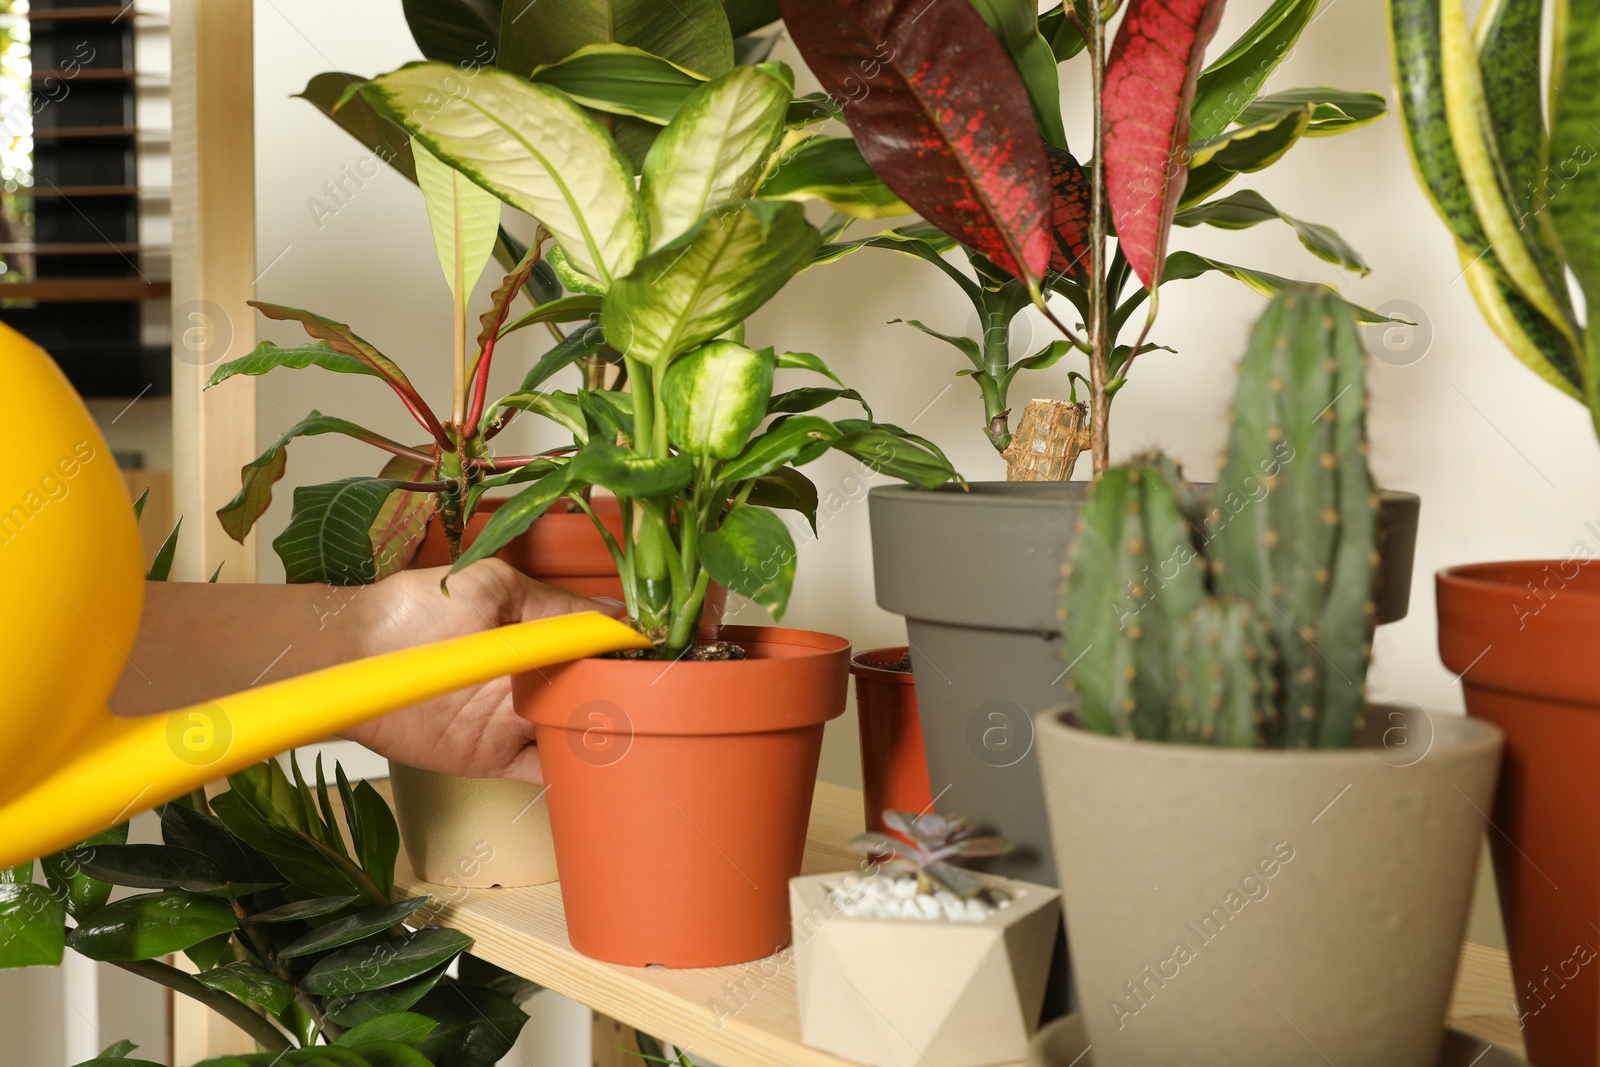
[(76, 248), (84, 290), (62, 133), (524, 930), (40, 192), (93, 74), (104, 13)]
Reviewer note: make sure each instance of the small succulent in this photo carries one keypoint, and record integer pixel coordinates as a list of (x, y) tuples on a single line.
[(925, 844)]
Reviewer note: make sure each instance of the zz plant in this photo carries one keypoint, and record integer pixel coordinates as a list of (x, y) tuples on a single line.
[(957, 108), (288, 918), (1243, 619)]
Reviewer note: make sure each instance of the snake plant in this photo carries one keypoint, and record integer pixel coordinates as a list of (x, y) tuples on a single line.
[(1511, 174)]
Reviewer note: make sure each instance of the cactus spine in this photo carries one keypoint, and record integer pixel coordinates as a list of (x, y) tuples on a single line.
[(1277, 652)]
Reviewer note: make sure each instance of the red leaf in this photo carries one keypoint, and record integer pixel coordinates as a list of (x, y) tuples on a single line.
[(1069, 222), (940, 113), (1149, 85), (399, 526)]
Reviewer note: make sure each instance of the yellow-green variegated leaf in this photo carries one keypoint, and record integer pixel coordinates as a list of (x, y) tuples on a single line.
[(1529, 335), (708, 280), (465, 219), (1465, 113), (831, 169), (714, 148), (1332, 110), (531, 146), (716, 396), (1575, 205), (1253, 147)]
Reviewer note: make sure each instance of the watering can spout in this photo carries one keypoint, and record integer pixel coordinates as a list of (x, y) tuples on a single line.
[(72, 571)]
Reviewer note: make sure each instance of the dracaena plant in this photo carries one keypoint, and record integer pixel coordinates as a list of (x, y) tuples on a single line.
[(1515, 182), (927, 846), (956, 107), (699, 447)]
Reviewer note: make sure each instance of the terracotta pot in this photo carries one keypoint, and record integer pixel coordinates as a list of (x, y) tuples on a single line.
[(894, 769), (473, 832), (1524, 637), (1309, 904), (481, 832), (914, 993), (680, 793)]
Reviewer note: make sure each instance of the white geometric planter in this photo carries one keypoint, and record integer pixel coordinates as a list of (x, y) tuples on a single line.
[(914, 993)]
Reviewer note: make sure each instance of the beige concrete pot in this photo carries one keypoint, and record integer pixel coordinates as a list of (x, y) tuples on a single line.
[(1239, 907), (473, 833), (904, 992)]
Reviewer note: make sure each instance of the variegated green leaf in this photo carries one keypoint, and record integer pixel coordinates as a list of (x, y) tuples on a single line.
[(711, 278), (1545, 350), (1253, 147), (560, 408), (532, 147), (1575, 206), (752, 554), (715, 398), (401, 523), (714, 148), (267, 356), (465, 219)]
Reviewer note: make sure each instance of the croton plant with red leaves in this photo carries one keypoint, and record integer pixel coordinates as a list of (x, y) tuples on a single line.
[(956, 105)]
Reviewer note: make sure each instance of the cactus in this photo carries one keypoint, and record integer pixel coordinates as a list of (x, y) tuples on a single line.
[(926, 844), (1261, 635)]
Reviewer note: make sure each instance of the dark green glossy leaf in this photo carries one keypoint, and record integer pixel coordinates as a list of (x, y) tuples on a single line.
[(330, 93), (404, 1027), (579, 344), (384, 962), (1066, 40), (752, 554), (747, 15), (786, 489), (351, 928), (148, 866), (184, 827), (161, 566), (211, 953), (83, 895), (463, 32), (302, 861), (690, 33), (301, 910), (379, 845), (477, 1026), (810, 398), (252, 982), (1016, 24), (887, 450), (358, 1008), (32, 925), (579, 308), (805, 361), (150, 925)]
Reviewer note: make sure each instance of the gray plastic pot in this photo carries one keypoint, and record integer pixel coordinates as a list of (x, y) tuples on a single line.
[(1292, 908), (977, 574)]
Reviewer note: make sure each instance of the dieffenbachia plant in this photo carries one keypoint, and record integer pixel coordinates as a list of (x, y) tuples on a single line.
[(700, 447), (956, 107), (1521, 198)]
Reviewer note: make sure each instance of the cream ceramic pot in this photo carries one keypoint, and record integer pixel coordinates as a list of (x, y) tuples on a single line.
[(1268, 908), (473, 833)]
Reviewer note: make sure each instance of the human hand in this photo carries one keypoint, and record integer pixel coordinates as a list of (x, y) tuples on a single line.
[(474, 732)]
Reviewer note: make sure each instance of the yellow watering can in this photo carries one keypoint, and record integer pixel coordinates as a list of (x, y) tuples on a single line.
[(71, 569)]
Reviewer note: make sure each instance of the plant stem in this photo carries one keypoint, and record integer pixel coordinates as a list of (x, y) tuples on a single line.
[(1099, 320), (266, 1035)]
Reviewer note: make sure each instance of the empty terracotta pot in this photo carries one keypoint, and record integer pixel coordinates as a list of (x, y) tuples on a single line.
[(1525, 640), (680, 793), (1251, 907), (894, 768)]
